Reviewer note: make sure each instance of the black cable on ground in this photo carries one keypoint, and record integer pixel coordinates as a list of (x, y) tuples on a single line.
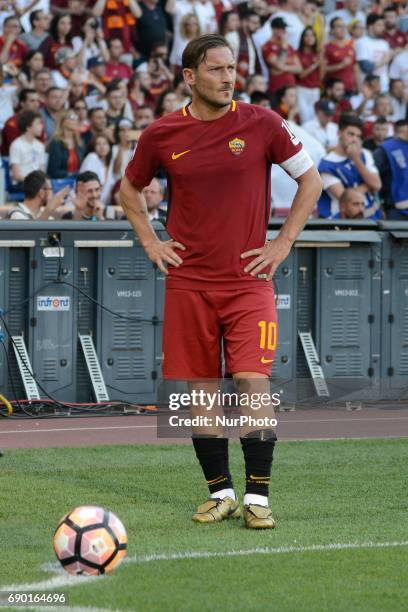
[(10, 376), (71, 407)]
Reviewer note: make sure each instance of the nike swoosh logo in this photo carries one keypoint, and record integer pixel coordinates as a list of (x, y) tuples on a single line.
[(177, 155), (263, 360)]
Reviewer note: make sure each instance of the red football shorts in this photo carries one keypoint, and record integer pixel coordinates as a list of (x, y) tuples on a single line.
[(197, 324)]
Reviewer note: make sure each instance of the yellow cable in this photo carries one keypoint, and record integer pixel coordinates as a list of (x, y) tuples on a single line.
[(7, 404)]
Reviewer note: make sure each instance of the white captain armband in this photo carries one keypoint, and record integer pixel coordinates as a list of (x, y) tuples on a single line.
[(298, 164)]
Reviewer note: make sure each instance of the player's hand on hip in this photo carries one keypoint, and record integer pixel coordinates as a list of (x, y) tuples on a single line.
[(267, 258), (163, 253)]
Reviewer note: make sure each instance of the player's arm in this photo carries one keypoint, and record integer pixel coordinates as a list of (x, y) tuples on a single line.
[(300, 167), (276, 251), (134, 204)]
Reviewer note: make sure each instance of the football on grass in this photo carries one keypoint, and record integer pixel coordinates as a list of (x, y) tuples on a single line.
[(90, 540)]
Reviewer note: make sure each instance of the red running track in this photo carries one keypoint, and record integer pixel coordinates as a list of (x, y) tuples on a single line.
[(142, 429)]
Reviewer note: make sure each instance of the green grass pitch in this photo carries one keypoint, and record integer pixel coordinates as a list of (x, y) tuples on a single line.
[(323, 492)]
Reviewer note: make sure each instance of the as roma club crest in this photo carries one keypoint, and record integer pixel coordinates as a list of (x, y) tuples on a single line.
[(236, 146)]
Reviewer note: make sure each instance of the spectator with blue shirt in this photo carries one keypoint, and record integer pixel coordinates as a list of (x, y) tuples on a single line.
[(348, 165), (351, 205), (392, 162)]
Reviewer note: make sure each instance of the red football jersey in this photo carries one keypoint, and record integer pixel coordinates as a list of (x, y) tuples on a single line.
[(219, 187), (312, 80), (397, 40), (335, 54), (277, 80)]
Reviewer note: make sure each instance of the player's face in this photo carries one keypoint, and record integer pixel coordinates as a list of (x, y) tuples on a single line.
[(37, 127), (153, 195), (32, 102), (350, 136), (92, 191), (354, 208), (402, 132), (380, 132), (213, 81), (338, 91)]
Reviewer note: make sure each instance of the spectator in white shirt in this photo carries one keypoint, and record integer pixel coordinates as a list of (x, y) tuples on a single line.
[(66, 61), (203, 9), (363, 103), (101, 161), (321, 127), (27, 152), (39, 201), (290, 13), (189, 28), (398, 99), (373, 52), (350, 12), (399, 68)]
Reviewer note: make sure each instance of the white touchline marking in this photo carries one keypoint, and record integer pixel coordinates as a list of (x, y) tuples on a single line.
[(350, 420), (66, 609), (30, 431), (67, 580), (63, 579), (290, 422)]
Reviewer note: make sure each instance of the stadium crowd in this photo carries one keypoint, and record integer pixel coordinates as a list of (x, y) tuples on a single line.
[(80, 81)]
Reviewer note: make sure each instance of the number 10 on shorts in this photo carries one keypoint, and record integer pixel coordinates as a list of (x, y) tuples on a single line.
[(268, 335)]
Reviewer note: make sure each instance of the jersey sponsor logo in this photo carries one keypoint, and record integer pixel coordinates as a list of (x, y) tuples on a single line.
[(264, 360), (177, 155), (237, 146)]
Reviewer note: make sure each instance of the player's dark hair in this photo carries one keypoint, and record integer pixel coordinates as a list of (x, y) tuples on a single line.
[(331, 82), (280, 94), (372, 18), (156, 45), (33, 182), (42, 71), (391, 7), (144, 107), (110, 41), (51, 89), (381, 121), (302, 39), (24, 93), (224, 20), (53, 29), (248, 13), (33, 17), (94, 110), (333, 21), (350, 120), (196, 50), (112, 87), (259, 96), (10, 18), (393, 81), (87, 177), (26, 120)]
